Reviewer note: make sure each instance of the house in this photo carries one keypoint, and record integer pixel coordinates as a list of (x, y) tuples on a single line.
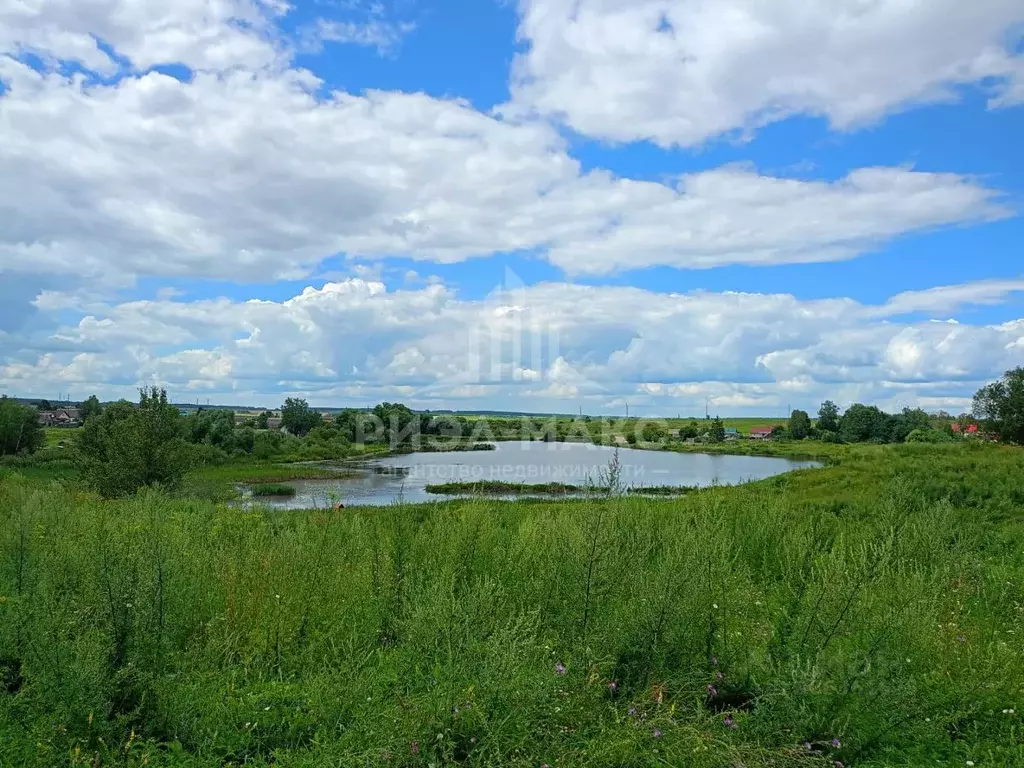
[(62, 417), (731, 433), (760, 433), (972, 429)]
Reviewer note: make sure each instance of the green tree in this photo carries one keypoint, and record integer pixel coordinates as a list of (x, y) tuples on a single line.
[(20, 430), (716, 434), (262, 420), (828, 417), (91, 407), (910, 420), (401, 426), (652, 432), (128, 447), (1000, 406), (799, 425), (45, 405), (864, 423), (297, 417)]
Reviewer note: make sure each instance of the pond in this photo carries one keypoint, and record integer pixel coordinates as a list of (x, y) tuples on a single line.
[(404, 478)]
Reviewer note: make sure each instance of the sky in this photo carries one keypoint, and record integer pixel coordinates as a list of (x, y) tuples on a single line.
[(545, 206)]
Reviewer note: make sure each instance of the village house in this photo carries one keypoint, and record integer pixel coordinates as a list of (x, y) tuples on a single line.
[(760, 433), (972, 429), (62, 417)]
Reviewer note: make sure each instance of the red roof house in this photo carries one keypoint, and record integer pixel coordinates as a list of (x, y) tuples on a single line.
[(761, 433), (972, 429)]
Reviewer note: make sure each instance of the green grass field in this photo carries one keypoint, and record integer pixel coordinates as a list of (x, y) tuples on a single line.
[(57, 435), (877, 602)]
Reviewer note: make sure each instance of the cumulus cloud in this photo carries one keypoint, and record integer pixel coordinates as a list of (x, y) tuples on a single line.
[(200, 34), (678, 72), (248, 170), (531, 347), (254, 177)]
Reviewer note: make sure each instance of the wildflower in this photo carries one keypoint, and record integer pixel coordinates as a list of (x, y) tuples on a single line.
[(838, 764), (613, 687), (657, 733), (970, 764), (714, 661), (807, 746), (961, 638), (631, 712), (473, 740), (415, 748), (836, 743), (712, 691), (560, 668), (719, 676), (730, 723)]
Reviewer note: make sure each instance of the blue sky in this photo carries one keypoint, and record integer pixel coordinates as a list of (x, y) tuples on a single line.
[(675, 201)]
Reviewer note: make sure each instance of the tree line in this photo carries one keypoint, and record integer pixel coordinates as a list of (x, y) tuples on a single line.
[(125, 446)]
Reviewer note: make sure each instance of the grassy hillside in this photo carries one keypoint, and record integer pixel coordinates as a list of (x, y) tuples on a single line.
[(869, 613)]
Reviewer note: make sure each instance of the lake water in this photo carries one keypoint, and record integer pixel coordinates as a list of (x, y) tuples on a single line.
[(388, 480)]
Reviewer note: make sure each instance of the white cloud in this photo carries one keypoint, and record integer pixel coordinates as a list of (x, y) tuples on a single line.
[(951, 297), (733, 215), (565, 346), (373, 32), (201, 34), (683, 71), (248, 171), (253, 178)]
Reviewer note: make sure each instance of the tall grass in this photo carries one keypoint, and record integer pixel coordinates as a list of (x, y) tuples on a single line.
[(885, 614)]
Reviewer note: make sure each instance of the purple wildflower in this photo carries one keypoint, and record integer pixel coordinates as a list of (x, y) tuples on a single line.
[(415, 748), (719, 676), (560, 668), (657, 733), (836, 743), (632, 712), (712, 691), (730, 723), (714, 661), (613, 687)]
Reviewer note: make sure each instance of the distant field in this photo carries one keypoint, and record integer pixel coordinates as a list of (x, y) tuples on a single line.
[(741, 424)]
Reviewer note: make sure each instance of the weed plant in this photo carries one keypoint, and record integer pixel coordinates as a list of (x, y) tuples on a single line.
[(865, 614)]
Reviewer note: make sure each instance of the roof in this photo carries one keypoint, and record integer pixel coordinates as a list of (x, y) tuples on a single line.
[(972, 429), (761, 430), (730, 431)]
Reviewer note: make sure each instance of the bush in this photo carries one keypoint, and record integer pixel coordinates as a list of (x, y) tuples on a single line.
[(929, 436), (126, 447)]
